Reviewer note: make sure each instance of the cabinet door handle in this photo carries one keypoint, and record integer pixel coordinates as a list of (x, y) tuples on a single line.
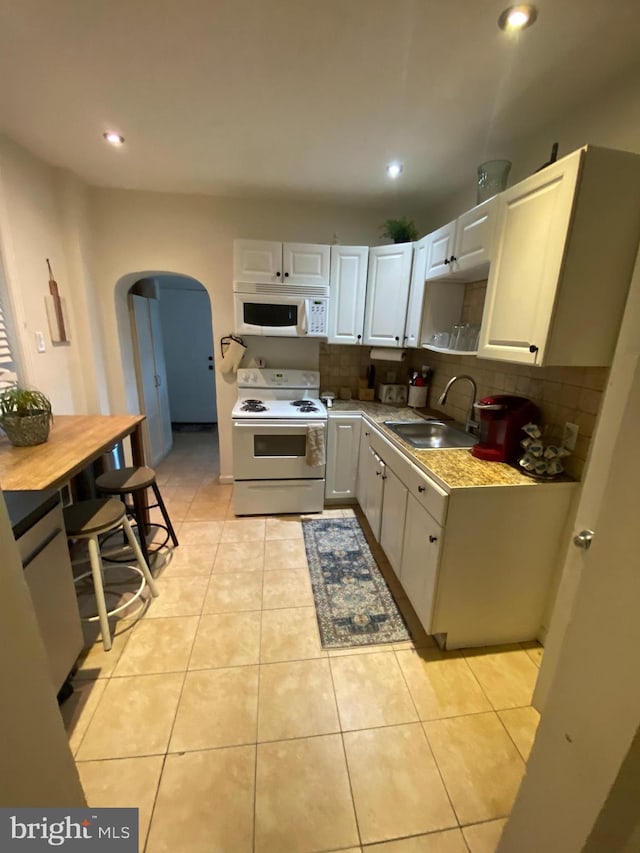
[(533, 348), (378, 473), (446, 261), (384, 476), (366, 433), (359, 336), (433, 539), (397, 337), (453, 258), (422, 489), (286, 275), (277, 275)]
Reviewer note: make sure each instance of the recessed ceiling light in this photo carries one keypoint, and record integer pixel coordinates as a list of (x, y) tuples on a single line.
[(394, 170), (113, 138), (517, 17)]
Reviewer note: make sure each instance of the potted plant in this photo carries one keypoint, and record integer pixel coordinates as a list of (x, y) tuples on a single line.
[(400, 230), (25, 416)]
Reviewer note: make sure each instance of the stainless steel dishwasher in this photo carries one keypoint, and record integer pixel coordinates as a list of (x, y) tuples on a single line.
[(38, 527)]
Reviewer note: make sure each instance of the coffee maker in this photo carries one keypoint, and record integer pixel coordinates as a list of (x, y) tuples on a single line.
[(501, 419)]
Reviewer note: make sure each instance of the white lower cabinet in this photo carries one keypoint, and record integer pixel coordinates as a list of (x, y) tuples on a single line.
[(394, 507), (477, 563), (420, 557), (343, 442), (374, 473)]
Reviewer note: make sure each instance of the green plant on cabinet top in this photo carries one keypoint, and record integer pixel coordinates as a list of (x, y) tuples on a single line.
[(400, 230)]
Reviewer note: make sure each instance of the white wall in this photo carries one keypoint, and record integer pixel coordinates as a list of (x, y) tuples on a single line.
[(31, 231), (609, 118), (154, 233)]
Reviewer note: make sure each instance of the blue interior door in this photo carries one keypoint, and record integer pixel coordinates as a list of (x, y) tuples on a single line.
[(188, 350)]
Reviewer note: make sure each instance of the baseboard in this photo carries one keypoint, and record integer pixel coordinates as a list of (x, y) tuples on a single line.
[(225, 479)]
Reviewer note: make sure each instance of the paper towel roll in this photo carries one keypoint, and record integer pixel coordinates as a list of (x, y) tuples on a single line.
[(387, 354)]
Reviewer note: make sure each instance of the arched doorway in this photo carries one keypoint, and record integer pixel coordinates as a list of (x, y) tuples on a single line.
[(172, 347)]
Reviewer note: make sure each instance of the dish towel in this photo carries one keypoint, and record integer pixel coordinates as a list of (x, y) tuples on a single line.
[(232, 357), (315, 445)]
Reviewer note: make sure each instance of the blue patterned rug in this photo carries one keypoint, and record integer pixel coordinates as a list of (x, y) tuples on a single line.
[(353, 603)]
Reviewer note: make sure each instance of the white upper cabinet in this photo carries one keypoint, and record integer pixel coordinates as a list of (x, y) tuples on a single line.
[(348, 285), (565, 247), (270, 263), (388, 283), (416, 294), (474, 238), (461, 250), (257, 260), (440, 250)]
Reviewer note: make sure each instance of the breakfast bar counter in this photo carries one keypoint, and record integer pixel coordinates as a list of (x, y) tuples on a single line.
[(74, 442)]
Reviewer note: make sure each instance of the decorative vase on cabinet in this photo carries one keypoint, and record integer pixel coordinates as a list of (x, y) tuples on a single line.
[(492, 178)]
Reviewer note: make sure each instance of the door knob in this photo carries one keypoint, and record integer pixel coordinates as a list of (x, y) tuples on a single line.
[(583, 539)]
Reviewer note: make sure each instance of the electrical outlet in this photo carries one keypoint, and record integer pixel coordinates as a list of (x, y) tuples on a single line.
[(569, 436), (40, 342)]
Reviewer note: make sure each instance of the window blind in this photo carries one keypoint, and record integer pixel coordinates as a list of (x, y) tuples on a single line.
[(8, 375)]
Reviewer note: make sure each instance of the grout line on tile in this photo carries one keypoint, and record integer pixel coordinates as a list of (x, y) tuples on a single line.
[(502, 723), (444, 784)]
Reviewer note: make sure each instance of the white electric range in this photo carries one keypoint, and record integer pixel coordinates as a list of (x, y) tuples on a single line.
[(279, 434)]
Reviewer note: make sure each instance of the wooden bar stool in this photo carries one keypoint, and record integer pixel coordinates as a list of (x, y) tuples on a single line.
[(89, 520), (134, 481)]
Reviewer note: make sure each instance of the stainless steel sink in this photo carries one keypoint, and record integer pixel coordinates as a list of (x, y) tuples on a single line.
[(429, 434)]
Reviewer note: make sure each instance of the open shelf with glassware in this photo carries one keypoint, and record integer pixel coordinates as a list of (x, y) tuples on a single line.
[(441, 319), (449, 351)]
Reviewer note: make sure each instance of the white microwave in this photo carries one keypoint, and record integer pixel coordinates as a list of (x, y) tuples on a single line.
[(288, 311)]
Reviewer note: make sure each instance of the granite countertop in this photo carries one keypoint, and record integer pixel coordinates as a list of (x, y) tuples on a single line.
[(453, 468)]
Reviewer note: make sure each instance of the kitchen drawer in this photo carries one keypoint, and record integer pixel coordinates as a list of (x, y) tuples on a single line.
[(31, 541), (426, 491)]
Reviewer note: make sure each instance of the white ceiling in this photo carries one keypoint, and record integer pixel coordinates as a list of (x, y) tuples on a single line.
[(296, 97)]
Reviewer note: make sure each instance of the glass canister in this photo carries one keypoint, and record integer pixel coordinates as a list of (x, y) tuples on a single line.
[(492, 178)]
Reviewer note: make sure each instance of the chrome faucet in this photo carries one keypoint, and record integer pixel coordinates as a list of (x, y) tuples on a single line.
[(471, 425)]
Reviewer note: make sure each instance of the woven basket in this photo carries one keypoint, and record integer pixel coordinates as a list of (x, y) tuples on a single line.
[(28, 430)]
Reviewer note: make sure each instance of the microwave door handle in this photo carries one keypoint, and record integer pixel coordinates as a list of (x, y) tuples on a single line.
[(303, 317)]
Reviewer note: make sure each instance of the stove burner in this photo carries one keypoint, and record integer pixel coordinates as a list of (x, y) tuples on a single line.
[(302, 403), (253, 406), (309, 408)]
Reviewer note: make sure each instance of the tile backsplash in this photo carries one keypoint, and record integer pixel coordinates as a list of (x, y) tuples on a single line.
[(562, 394)]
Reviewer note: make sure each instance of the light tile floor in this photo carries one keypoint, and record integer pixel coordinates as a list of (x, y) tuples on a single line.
[(220, 716)]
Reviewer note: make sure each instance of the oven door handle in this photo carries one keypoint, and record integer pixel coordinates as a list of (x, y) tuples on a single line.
[(272, 426)]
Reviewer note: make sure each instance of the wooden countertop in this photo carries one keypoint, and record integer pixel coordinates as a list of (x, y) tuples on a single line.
[(74, 442)]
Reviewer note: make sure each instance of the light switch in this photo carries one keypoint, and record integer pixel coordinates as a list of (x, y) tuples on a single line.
[(40, 342)]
